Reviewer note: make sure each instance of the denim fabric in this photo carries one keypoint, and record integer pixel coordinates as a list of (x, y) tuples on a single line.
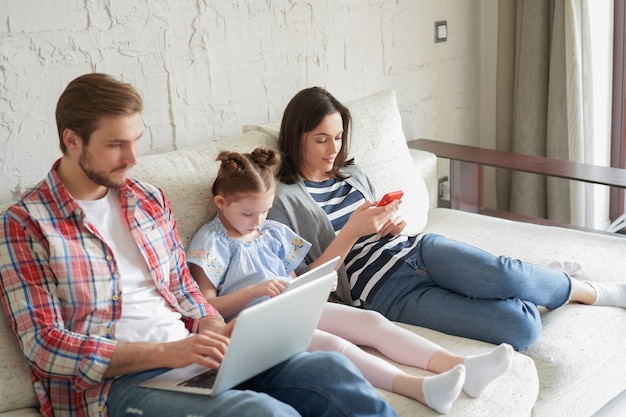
[(320, 384), (461, 290)]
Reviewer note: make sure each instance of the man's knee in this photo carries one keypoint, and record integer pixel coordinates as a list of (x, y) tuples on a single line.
[(262, 405)]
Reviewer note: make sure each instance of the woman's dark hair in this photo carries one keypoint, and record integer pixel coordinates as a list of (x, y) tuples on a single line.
[(245, 173), (89, 98), (304, 113)]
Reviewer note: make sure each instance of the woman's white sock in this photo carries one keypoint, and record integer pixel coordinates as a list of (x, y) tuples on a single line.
[(441, 390), (482, 369), (609, 293), (570, 267)]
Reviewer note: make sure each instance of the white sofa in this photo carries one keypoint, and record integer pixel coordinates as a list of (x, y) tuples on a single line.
[(576, 366)]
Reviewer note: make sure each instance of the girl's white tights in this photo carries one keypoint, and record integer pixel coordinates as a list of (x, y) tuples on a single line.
[(372, 329), (438, 391)]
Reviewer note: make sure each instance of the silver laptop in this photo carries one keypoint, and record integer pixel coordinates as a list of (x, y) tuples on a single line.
[(265, 335), (321, 270)]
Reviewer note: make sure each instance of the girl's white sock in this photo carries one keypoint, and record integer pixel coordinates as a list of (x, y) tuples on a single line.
[(482, 369), (609, 293), (441, 390)]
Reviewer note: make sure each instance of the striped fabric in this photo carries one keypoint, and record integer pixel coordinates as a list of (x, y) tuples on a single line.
[(373, 259), (61, 288)]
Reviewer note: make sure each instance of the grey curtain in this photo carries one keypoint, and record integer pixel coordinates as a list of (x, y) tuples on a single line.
[(544, 104)]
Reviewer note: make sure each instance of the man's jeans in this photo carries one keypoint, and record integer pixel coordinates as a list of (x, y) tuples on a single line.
[(310, 384)]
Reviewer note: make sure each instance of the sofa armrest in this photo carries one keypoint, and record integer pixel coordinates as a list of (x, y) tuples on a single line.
[(466, 171), (426, 163)]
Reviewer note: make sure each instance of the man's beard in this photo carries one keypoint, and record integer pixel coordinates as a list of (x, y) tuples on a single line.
[(98, 177)]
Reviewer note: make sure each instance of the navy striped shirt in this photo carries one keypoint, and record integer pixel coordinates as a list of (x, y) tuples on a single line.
[(373, 259)]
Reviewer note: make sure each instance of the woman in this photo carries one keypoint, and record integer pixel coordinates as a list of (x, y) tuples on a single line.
[(425, 280)]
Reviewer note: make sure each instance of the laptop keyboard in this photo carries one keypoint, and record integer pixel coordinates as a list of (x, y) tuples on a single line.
[(204, 380)]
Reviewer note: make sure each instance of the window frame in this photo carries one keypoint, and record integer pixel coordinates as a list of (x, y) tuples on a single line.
[(618, 131)]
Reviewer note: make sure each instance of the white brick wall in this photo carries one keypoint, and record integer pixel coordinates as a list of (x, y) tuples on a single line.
[(206, 67)]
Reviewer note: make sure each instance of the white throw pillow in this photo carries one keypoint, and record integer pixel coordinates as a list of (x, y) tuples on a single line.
[(379, 146)]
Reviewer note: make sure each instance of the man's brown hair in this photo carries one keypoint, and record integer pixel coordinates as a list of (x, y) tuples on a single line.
[(90, 97)]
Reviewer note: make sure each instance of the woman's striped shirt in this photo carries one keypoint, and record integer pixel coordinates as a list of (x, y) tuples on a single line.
[(373, 259)]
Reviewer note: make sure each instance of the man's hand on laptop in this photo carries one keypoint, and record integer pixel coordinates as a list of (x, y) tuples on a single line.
[(206, 348)]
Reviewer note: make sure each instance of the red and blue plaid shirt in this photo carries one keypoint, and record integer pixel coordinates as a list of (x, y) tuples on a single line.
[(61, 288)]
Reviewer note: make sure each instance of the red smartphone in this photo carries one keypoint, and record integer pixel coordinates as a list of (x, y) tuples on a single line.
[(389, 197)]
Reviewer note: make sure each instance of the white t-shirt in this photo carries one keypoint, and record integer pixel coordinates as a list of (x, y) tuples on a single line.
[(146, 316)]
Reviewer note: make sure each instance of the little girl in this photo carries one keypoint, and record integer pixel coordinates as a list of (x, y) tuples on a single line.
[(239, 258)]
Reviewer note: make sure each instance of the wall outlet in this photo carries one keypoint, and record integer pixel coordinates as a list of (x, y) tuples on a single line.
[(444, 188), (441, 31)]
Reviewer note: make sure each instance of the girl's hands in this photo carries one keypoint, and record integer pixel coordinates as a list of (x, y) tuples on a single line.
[(270, 288)]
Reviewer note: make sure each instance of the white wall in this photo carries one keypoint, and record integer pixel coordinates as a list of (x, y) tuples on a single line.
[(205, 68)]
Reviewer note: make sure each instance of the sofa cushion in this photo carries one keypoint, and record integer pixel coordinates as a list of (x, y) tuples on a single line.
[(577, 341), (379, 146), (16, 388)]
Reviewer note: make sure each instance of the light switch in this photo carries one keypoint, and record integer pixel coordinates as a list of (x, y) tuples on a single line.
[(441, 31)]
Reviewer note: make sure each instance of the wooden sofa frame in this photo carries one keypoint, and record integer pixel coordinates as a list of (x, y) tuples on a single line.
[(466, 175)]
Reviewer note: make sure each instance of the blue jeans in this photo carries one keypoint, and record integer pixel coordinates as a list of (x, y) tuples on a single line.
[(461, 290), (320, 384)]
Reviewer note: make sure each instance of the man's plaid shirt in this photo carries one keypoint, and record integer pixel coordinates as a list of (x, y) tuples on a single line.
[(61, 287)]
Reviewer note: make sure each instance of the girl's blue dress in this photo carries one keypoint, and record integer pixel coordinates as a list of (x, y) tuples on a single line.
[(232, 264)]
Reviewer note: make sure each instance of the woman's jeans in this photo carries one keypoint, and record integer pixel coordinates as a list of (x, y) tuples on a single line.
[(461, 290), (312, 384)]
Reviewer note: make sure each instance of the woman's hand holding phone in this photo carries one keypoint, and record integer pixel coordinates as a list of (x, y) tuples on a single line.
[(389, 197), (395, 225), (381, 221)]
